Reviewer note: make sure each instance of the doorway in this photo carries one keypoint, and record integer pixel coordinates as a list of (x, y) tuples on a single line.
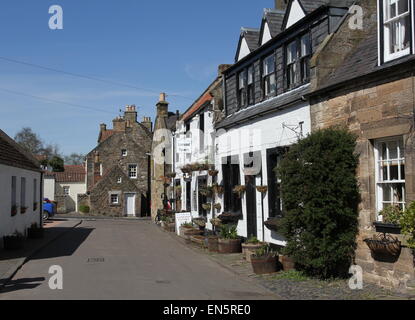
[(130, 204), (251, 206)]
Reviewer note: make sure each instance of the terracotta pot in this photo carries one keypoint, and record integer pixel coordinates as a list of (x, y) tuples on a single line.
[(192, 232), (249, 248), (230, 246), (287, 263), (213, 244), (182, 230), (264, 265)]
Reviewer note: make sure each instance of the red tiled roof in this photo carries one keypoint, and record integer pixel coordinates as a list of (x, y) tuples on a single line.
[(71, 174), (197, 105)]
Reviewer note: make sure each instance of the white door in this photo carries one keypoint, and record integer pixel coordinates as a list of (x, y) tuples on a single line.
[(130, 204)]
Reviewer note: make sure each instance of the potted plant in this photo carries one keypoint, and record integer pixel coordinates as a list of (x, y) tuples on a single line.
[(249, 247), (200, 222), (216, 222), (239, 190), (262, 189), (34, 232), (23, 210), (264, 260), (14, 210), (198, 240), (187, 230), (287, 262), (228, 217), (407, 221), (13, 242), (229, 241), (207, 206), (213, 243), (186, 169), (391, 216)]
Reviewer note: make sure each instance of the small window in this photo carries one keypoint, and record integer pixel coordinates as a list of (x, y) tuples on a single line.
[(119, 180), (132, 171), (242, 89), (66, 191), (397, 29), (115, 199), (251, 86), (298, 53), (124, 152), (23, 192), (14, 191), (268, 77)]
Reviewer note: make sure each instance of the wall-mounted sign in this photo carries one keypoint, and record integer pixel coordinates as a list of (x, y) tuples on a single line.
[(182, 218), (184, 145)]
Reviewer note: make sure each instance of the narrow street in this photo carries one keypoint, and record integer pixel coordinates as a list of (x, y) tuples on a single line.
[(127, 260)]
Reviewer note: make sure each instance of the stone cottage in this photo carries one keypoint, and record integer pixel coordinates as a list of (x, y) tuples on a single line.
[(363, 79), (117, 178)]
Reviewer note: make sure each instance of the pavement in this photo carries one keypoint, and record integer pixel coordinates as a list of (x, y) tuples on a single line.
[(127, 260), (12, 261)]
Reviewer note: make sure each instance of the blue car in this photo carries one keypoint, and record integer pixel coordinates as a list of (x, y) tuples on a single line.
[(49, 209)]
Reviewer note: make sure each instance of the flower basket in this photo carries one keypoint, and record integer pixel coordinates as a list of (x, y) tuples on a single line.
[(218, 189), (204, 167), (274, 224), (384, 247), (171, 175), (186, 169), (217, 206), (200, 222), (207, 206), (213, 173), (239, 190), (216, 222), (227, 217), (262, 189)]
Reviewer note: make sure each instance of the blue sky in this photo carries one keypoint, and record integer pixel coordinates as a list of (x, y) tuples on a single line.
[(159, 45)]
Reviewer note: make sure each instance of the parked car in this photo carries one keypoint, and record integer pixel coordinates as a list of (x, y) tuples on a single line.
[(49, 209)]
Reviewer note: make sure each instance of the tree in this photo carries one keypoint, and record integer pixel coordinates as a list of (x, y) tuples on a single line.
[(57, 164), (29, 140), (50, 151), (320, 197), (75, 159)]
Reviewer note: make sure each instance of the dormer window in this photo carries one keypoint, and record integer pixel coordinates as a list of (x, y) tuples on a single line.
[(242, 89), (397, 30), (269, 82), (298, 53)]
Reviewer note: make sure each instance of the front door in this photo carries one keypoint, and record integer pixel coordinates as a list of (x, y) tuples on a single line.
[(251, 206), (130, 204)]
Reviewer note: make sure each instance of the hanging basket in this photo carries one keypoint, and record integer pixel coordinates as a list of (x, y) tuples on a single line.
[(213, 173), (200, 222), (262, 189), (274, 224), (227, 217), (384, 247)]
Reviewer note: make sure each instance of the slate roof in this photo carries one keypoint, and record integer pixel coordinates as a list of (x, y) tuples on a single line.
[(279, 102), (311, 5), (171, 120), (275, 19), (11, 154), (362, 61), (252, 38)]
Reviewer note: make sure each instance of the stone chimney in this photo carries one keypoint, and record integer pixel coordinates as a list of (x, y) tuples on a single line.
[(222, 68), (130, 114), (119, 124), (147, 123), (162, 106), (281, 5), (103, 127)]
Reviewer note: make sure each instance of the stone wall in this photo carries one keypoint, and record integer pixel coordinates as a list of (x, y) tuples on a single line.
[(375, 110)]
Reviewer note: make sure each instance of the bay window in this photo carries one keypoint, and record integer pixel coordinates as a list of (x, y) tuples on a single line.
[(269, 82), (390, 173), (397, 28)]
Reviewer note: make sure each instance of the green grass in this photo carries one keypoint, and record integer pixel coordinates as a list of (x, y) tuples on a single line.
[(292, 275)]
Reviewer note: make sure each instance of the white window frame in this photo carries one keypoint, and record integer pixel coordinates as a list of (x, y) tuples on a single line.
[(130, 166), (380, 183), (387, 56), (124, 152), (114, 198), (269, 79), (119, 180)]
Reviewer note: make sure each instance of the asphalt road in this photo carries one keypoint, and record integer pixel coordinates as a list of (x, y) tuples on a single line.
[(127, 260)]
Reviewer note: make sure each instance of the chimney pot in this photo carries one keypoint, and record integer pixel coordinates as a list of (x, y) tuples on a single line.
[(162, 97), (103, 127)]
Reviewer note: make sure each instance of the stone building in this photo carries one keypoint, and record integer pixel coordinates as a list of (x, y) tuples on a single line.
[(161, 150), (118, 168), (363, 79)]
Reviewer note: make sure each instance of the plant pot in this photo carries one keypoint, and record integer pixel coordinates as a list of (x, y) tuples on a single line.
[(200, 222), (387, 228), (264, 265), (230, 246), (192, 232), (182, 230), (13, 243), (384, 248), (249, 248), (35, 233), (288, 264), (198, 240), (213, 244), (170, 227)]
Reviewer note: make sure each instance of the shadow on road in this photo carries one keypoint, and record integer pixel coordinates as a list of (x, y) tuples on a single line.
[(66, 245), (22, 284)]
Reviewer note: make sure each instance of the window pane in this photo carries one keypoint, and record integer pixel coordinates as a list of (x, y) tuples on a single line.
[(393, 150), (394, 171), (398, 193), (305, 45), (403, 6), (403, 171), (250, 75), (392, 9), (383, 155), (384, 171), (269, 65), (292, 52), (386, 193)]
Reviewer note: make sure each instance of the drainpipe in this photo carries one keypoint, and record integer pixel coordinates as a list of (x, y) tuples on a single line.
[(41, 200), (262, 209)]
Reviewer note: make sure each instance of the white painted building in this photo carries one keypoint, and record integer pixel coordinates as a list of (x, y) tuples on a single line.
[(20, 189)]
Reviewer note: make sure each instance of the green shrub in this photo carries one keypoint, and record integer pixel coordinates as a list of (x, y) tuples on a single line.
[(391, 214), (84, 209), (227, 232), (407, 221), (320, 198)]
